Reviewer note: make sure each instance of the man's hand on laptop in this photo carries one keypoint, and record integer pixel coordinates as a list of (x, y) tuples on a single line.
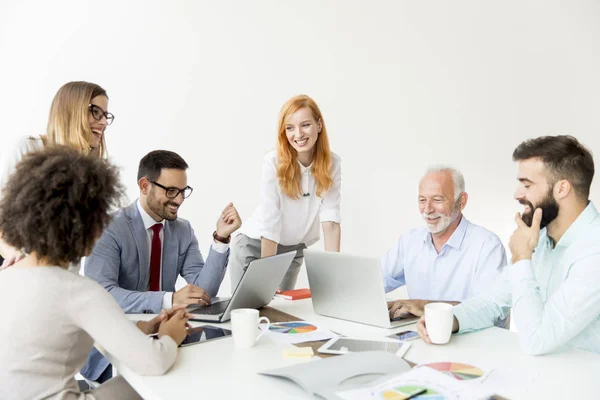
[(189, 295), (399, 307)]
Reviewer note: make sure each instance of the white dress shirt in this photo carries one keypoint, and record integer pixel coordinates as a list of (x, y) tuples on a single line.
[(467, 264), (149, 222), (290, 221), (555, 296)]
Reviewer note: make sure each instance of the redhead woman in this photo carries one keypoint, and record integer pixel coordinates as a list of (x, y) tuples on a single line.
[(78, 119), (300, 190)]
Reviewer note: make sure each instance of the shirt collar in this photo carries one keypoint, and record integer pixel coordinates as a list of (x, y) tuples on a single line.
[(303, 169), (147, 219), (572, 233), (457, 237)]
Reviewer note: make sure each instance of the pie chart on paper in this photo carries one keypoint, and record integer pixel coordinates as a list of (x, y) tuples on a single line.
[(292, 328), (461, 372)]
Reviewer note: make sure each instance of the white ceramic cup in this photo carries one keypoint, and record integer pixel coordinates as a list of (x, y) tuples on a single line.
[(244, 323), (438, 321)]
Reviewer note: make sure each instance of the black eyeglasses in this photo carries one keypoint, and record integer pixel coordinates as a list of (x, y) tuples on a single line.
[(98, 113), (173, 192)]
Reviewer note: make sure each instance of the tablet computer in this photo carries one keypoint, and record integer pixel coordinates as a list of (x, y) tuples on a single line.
[(203, 334), (343, 345)]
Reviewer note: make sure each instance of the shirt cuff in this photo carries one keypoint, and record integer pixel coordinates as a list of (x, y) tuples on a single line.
[(270, 235), (463, 320), (521, 270), (220, 247), (522, 279), (167, 302), (330, 216)]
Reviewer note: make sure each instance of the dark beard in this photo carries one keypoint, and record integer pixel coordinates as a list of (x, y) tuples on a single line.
[(161, 209), (549, 208)]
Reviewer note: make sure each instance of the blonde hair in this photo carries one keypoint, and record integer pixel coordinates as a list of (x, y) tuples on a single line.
[(68, 123), (288, 169)]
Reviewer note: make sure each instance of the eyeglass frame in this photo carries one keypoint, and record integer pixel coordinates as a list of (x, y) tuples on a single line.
[(166, 189), (105, 114)]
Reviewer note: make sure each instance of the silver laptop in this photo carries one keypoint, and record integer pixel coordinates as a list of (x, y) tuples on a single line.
[(255, 290), (349, 287)]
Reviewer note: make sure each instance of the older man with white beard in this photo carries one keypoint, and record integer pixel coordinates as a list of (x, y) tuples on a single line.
[(451, 259)]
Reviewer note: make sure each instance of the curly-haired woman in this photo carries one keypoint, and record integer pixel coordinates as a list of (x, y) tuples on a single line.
[(55, 206)]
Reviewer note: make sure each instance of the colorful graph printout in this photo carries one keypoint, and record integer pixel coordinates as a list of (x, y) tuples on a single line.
[(462, 372), (402, 392), (292, 328)]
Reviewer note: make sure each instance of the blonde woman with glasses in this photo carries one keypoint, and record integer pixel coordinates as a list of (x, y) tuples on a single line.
[(78, 119)]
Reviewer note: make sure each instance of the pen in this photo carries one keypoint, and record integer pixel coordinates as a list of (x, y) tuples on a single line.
[(415, 394)]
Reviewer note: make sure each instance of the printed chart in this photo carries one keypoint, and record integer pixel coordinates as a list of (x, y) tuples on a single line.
[(295, 332), (292, 328), (403, 392), (439, 386), (462, 372)]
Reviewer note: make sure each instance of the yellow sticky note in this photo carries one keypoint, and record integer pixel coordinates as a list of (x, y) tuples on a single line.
[(298, 352)]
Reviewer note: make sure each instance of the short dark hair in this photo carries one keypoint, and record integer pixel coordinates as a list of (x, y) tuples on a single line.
[(564, 156), (57, 203), (155, 161)]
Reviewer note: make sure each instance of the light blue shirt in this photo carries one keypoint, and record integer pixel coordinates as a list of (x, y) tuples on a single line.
[(555, 296), (467, 264)]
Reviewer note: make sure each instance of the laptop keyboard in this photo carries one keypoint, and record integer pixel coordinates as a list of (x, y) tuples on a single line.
[(212, 309)]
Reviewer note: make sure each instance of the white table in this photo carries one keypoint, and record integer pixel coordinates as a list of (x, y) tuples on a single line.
[(218, 370)]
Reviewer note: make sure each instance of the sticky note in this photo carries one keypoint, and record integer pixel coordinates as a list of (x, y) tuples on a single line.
[(298, 352)]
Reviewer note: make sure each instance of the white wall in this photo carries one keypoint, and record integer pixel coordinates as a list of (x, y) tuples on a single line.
[(401, 85)]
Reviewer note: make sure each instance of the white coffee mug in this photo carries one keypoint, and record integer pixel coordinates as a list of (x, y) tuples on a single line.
[(244, 323), (439, 318)]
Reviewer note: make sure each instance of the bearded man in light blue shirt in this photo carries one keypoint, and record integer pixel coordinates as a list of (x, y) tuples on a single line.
[(553, 283), (451, 259)]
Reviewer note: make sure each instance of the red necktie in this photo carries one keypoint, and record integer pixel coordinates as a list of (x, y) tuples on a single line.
[(155, 258)]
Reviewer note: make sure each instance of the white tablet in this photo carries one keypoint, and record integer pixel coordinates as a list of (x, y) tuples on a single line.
[(343, 345)]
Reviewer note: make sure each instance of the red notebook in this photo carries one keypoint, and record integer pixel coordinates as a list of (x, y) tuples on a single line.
[(295, 294)]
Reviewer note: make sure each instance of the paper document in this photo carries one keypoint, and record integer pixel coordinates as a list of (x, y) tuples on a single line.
[(325, 376), (436, 385)]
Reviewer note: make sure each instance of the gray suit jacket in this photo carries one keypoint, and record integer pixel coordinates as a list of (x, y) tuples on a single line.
[(120, 262)]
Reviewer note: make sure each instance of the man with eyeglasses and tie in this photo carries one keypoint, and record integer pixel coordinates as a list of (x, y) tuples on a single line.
[(146, 247)]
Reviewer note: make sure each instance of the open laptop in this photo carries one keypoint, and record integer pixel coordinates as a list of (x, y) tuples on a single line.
[(349, 287), (255, 290)]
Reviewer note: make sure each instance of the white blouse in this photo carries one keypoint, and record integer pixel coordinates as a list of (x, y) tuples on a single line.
[(9, 161), (294, 221)]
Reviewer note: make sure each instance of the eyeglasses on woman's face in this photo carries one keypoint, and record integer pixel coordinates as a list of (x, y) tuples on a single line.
[(98, 113)]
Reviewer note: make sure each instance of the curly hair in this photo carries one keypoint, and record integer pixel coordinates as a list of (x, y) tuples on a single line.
[(57, 203)]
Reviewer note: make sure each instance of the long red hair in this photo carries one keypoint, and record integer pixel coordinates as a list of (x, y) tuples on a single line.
[(288, 169)]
